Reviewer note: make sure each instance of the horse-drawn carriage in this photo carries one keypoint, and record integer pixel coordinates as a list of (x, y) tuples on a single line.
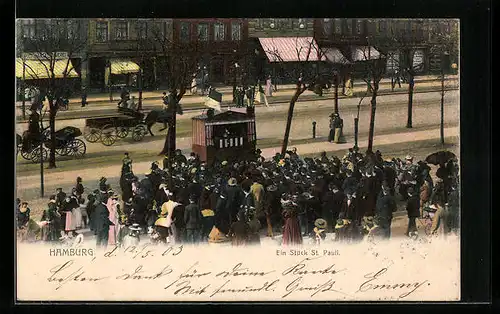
[(109, 129), (67, 144)]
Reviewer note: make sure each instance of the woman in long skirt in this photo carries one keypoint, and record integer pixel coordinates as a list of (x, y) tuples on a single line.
[(114, 218), (269, 87), (291, 232)]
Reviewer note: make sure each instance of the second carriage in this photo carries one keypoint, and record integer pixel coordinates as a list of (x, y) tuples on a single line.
[(108, 129)]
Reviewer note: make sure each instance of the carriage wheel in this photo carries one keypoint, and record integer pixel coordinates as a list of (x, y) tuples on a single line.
[(62, 151), (108, 135), (139, 132), (35, 154), (77, 148), (92, 135), (26, 154), (121, 131)]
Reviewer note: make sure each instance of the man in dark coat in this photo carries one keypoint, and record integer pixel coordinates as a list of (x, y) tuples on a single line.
[(192, 220), (60, 197), (23, 215), (332, 204), (247, 200), (222, 217), (350, 183), (234, 197), (102, 222), (413, 210), (50, 231), (91, 205), (178, 218), (369, 193), (195, 188), (386, 205)]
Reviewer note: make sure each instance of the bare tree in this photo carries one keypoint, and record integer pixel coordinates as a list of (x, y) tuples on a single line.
[(373, 63), (54, 36), (306, 50), (445, 43), (179, 72), (402, 53)]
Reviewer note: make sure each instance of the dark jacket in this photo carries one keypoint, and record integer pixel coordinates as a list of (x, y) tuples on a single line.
[(386, 205), (101, 221), (234, 196), (413, 206), (349, 185), (192, 216), (60, 197)]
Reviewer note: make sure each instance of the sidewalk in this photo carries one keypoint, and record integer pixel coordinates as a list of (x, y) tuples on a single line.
[(197, 102), (227, 92)]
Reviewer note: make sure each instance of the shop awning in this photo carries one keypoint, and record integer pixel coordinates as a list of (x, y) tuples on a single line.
[(364, 53), (291, 49), (35, 69), (123, 67), (333, 55)]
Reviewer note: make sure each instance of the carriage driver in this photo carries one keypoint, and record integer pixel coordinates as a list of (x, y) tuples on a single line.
[(33, 127)]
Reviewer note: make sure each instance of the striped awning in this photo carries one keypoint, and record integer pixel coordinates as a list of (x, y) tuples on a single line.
[(364, 53), (35, 69), (119, 66), (291, 49), (333, 55)]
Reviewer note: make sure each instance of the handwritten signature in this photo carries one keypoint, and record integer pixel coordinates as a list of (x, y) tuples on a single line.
[(370, 284)]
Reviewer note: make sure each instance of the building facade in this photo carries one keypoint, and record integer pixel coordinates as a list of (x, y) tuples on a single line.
[(119, 48), (116, 51), (401, 41), (43, 45), (220, 43)]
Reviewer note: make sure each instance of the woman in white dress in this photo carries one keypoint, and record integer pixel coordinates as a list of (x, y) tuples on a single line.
[(114, 218), (194, 88), (269, 87)]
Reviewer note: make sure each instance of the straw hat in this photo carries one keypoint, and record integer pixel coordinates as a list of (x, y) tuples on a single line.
[(320, 223), (135, 227), (232, 182)]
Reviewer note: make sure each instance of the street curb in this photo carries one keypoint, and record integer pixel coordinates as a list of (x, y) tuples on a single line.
[(194, 107), (89, 99)]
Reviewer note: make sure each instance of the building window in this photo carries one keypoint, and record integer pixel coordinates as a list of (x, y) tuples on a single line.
[(299, 24), (236, 31), (203, 32), (121, 30), (28, 28), (382, 26), (273, 23), (348, 27), (260, 23), (73, 29), (101, 31), (359, 26), (185, 32), (43, 29), (327, 27), (219, 31), (159, 30), (142, 30), (338, 26), (285, 23)]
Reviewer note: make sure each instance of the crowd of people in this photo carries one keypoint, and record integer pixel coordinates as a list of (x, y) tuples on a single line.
[(237, 201)]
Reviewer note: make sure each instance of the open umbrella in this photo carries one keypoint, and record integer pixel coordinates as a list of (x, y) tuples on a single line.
[(440, 157)]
